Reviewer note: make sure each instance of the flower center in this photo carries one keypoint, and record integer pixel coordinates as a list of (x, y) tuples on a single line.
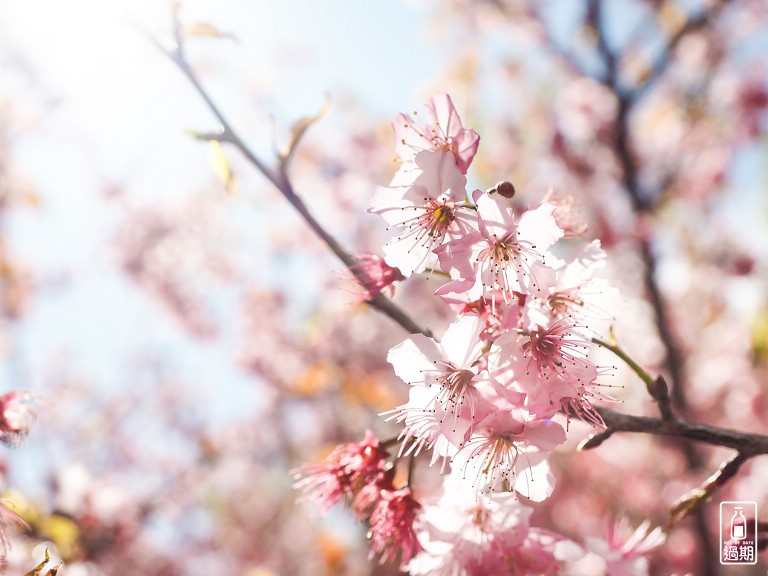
[(456, 384), (441, 217), (562, 302)]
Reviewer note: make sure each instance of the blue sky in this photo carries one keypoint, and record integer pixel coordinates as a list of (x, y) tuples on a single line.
[(108, 108), (96, 104)]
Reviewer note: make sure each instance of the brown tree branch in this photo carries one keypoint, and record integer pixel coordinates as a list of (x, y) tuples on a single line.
[(747, 444), (694, 499), (692, 24), (280, 180)]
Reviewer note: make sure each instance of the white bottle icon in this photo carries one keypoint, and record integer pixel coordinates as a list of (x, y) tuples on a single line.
[(738, 525)]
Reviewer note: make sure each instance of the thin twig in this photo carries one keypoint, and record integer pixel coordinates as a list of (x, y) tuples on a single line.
[(692, 24), (657, 387), (694, 499), (280, 180), (636, 368)]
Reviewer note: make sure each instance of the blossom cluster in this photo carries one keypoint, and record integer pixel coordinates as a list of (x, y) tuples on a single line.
[(358, 472), (485, 399)]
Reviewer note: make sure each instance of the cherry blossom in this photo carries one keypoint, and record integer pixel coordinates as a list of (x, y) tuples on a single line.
[(500, 255), (510, 453), (374, 275), (442, 131), (572, 290), (16, 416), (392, 525), (462, 533), (547, 368), (446, 386), (425, 203), (624, 550), (347, 470), (489, 396)]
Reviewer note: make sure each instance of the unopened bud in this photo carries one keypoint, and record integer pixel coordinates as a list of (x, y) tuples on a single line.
[(659, 389), (504, 188)]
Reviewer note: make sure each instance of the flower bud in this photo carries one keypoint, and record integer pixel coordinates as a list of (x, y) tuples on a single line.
[(504, 189)]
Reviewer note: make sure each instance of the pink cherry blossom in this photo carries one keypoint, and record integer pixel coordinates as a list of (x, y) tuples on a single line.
[(498, 313), (347, 470), (536, 556), (567, 214), (505, 450), (461, 532), (624, 550), (392, 526), (425, 203), (469, 534), (554, 349), (374, 275), (442, 131), (445, 398), (16, 416), (571, 290), (549, 386), (500, 255)]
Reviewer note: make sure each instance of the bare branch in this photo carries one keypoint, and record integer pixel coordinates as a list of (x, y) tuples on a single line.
[(693, 24), (699, 496), (747, 444), (280, 180), (595, 16)]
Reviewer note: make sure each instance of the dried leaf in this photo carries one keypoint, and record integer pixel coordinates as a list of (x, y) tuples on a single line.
[(221, 166), (38, 570), (297, 132), (687, 504), (204, 30)]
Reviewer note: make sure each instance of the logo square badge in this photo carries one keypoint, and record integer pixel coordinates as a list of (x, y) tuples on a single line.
[(738, 533)]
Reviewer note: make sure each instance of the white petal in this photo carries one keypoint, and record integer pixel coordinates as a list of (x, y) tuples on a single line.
[(441, 112), (414, 358), (544, 434), (461, 341), (440, 177), (540, 227), (494, 217), (409, 255), (533, 478)]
